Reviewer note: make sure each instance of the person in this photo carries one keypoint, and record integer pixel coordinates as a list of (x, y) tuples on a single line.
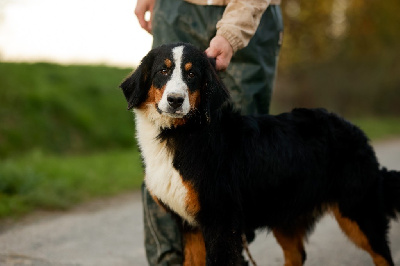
[(244, 37)]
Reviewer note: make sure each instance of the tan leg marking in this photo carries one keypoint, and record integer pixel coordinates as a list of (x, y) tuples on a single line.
[(194, 249), (292, 247), (354, 233)]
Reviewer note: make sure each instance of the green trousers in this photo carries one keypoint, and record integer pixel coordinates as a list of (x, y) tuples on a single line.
[(249, 78)]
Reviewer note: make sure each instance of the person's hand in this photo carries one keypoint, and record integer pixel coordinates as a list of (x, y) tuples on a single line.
[(142, 6), (222, 51)]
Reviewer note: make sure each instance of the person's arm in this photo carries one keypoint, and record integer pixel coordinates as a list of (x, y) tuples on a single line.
[(142, 6), (238, 24)]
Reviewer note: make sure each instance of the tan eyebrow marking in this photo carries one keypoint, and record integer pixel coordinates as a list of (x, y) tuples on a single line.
[(168, 63), (188, 66)]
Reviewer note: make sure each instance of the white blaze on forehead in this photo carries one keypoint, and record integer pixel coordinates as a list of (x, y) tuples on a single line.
[(177, 53), (176, 85)]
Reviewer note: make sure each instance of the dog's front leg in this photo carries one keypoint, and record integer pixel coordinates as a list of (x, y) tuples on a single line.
[(194, 247), (223, 244)]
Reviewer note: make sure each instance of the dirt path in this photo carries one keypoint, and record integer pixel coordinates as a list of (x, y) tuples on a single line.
[(109, 233)]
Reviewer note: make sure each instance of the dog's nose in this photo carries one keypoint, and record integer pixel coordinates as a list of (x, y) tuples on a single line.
[(175, 100)]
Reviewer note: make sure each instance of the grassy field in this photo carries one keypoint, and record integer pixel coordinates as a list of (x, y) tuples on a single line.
[(62, 109), (379, 128), (41, 181), (66, 136)]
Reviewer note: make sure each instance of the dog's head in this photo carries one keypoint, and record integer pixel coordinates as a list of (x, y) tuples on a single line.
[(175, 81)]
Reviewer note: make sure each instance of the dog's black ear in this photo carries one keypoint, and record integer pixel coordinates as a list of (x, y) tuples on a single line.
[(214, 93), (137, 85), (213, 62)]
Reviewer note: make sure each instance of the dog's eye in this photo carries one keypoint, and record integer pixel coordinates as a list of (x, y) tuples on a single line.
[(191, 75), (164, 72)]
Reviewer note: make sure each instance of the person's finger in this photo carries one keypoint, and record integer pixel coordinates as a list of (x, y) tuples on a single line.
[(150, 22), (221, 63), (140, 14), (211, 52)]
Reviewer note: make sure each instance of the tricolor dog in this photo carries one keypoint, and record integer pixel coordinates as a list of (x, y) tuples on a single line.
[(225, 174)]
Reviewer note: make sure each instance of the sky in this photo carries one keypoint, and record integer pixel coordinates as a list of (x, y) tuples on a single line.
[(72, 32)]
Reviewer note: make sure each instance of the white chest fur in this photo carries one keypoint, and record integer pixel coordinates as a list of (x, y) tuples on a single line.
[(161, 178)]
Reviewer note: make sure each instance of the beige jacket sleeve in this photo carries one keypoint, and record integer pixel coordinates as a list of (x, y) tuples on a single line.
[(240, 21)]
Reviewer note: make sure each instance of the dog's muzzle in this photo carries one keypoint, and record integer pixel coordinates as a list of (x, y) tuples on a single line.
[(175, 100)]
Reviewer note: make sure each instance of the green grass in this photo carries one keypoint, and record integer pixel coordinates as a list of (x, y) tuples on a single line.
[(378, 128), (40, 181), (65, 136), (62, 109)]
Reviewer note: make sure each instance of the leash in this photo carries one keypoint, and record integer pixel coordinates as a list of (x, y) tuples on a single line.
[(246, 248)]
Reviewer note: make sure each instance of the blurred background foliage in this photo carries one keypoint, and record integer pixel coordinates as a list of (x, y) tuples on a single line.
[(340, 54), (66, 136)]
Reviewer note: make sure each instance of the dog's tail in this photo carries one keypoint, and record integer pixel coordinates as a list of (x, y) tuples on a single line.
[(391, 190)]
